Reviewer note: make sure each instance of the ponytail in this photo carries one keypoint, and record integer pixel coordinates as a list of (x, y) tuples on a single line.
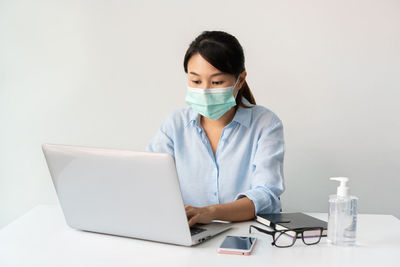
[(246, 93)]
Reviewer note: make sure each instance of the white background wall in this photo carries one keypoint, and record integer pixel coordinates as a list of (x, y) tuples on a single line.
[(106, 73)]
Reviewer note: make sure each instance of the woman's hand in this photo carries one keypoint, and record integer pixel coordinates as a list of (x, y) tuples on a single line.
[(242, 209), (199, 215)]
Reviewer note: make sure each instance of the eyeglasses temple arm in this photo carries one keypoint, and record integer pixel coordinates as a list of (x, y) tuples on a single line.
[(261, 230)]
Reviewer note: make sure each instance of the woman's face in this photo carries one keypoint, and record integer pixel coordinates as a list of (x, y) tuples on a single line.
[(201, 74)]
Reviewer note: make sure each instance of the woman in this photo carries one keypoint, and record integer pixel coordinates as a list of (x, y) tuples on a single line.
[(228, 151)]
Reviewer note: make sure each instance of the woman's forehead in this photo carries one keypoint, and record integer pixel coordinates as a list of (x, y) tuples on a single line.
[(199, 66)]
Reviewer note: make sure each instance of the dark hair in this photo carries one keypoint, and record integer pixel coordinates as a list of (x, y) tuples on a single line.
[(225, 53)]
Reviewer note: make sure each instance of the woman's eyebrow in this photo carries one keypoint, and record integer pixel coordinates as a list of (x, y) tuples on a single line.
[(212, 75)]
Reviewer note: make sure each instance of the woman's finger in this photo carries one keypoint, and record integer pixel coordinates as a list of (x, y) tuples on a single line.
[(190, 212), (193, 220)]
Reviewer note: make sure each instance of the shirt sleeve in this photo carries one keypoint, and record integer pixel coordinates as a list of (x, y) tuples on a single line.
[(267, 178), (161, 141)]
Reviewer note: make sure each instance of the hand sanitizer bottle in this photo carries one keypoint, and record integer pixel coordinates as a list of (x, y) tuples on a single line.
[(342, 216)]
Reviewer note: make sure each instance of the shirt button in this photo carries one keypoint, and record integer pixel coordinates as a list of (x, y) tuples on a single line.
[(215, 193)]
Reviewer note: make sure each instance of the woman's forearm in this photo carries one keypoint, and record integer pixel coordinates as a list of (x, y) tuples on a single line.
[(239, 210)]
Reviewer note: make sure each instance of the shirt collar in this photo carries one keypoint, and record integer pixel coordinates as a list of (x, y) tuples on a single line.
[(242, 115), (194, 117)]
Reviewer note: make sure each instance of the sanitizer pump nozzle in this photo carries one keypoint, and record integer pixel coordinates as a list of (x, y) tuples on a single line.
[(343, 189)]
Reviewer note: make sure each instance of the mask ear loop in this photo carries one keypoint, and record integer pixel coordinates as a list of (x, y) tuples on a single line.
[(235, 86)]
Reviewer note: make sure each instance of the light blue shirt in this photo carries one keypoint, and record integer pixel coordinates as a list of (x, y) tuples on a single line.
[(248, 160)]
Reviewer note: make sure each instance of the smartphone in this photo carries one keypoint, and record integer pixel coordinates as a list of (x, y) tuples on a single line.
[(240, 245)]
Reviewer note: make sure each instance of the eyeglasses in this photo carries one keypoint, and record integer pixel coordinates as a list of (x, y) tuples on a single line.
[(286, 238)]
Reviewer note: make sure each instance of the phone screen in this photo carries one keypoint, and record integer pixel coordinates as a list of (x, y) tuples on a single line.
[(238, 242)]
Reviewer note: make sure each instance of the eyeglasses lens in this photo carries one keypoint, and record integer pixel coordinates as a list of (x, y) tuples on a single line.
[(285, 239), (312, 236)]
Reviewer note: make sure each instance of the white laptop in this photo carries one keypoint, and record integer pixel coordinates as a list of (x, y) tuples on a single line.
[(124, 193)]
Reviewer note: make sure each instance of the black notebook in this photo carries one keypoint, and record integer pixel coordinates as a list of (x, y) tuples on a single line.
[(283, 221)]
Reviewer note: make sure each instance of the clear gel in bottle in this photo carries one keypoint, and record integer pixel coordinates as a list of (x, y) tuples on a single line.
[(342, 216)]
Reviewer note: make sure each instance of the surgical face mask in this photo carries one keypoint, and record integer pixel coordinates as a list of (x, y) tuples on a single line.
[(212, 102)]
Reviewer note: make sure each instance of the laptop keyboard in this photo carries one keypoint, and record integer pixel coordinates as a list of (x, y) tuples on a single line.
[(196, 230)]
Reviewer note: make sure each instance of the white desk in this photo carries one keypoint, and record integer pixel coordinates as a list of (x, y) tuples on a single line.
[(42, 238)]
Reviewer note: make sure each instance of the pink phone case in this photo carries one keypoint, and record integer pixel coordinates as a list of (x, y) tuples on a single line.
[(247, 253), (221, 251)]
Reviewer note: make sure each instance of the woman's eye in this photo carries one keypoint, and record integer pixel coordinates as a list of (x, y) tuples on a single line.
[(218, 83), (196, 81)]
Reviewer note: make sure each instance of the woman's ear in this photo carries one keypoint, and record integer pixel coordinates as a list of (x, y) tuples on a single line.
[(242, 78)]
